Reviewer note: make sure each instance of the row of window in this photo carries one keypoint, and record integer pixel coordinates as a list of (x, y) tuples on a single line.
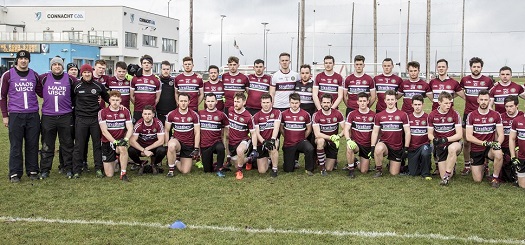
[(168, 45)]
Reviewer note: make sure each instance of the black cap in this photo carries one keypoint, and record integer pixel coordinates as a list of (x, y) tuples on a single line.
[(71, 65), (23, 54)]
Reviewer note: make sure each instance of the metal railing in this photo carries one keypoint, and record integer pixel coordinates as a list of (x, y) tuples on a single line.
[(100, 38)]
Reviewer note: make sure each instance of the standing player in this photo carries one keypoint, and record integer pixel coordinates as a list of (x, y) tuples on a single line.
[(326, 124), (444, 83), (19, 104), (445, 132), (145, 89), (283, 83), (188, 82), (358, 133), (390, 124), (483, 125), (508, 174), (116, 127), (356, 83), (215, 86), (504, 88), (384, 82), (413, 86), (213, 124), (295, 127), (328, 82), (259, 84), (186, 136), (267, 123), (419, 150), (72, 70), (167, 100), (120, 83), (304, 87), (99, 75), (234, 82), (471, 85)]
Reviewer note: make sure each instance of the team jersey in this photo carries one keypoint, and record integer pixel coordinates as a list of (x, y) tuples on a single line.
[(183, 125), (145, 89), (284, 84), (328, 84), (437, 86), (409, 90), (362, 125), (518, 126), (257, 87), (499, 92), (294, 124), (148, 134), (506, 120), (384, 83), (418, 130), (484, 127), (115, 121), (444, 124), (391, 126), (354, 85), (212, 123), (241, 124), (102, 80), (232, 85), (122, 86), (217, 88), (190, 84), (305, 92), (265, 122), (471, 87), (328, 124)]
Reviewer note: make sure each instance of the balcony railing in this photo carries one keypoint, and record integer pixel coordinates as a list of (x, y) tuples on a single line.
[(99, 38)]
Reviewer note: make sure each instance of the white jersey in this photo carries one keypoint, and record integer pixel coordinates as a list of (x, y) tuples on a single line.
[(284, 84)]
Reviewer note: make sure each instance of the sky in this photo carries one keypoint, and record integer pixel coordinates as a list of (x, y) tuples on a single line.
[(494, 30)]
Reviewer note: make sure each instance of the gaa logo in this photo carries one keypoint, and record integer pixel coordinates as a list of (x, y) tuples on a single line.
[(194, 81), (151, 81), (301, 118), (335, 81), (216, 118), (219, 88), (448, 87), (491, 119), (239, 80), (170, 83), (513, 90), (272, 116), (309, 89), (126, 83), (397, 118), (334, 119), (371, 119), (93, 91), (265, 80), (449, 119), (241, 119), (189, 119), (482, 83), (423, 123), (154, 130), (419, 87)]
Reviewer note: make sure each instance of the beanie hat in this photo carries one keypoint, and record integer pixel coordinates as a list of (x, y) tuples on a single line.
[(23, 54), (55, 60), (86, 67), (71, 65)]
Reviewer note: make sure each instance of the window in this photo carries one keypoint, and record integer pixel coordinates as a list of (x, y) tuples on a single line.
[(78, 62), (149, 41), (131, 40), (74, 36), (169, 45)]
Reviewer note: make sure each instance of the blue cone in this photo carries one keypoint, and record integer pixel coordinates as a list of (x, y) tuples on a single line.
[(177, 225)]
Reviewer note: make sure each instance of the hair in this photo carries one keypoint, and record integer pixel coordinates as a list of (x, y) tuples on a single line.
[(100, 62), (390, 92), (187, 58), (210, 95), (266, 96), (483, 92), (184, 94), (146, 57), (414, 64), (512, 98), (284, 54), (329, 57), (359, 58), (148, 108), (442, 60), (165, 62), (213, 67), (306, 66), (444, 95), (114, 93), (122, 65), (418, 97), (388, 60), (475, 60), (505, 68), (240, 95), (258, 61), (294, 96), (363, 95), (233, 59), (327, 96)]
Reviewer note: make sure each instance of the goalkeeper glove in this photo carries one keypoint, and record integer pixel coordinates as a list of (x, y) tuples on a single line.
[(351, 144)]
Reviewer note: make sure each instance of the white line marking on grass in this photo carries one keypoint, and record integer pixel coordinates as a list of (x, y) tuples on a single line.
[(361, 234)]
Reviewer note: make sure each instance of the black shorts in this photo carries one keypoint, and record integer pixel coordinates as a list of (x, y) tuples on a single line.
[(185, 150), (364, 151), (252, 111), (348, 110), (464, 122), (330, 150), (441, 153), (233, 148), (478, 158), (109, 153), (262, 152), (394, 155)]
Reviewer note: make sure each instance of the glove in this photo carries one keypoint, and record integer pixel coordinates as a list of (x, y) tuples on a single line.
[(517, 148), (440, 141), (199, 164), (486, 143), (254, 154), (124, 142), (371, 153), (517, 164), (405, 153), (116, 143), (495, 145), (195, 153), (351, 144), (335, 138), (129, 77), (269, 144), (223, 99)]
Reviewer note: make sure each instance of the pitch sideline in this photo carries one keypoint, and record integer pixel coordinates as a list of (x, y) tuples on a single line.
[(362, 234)]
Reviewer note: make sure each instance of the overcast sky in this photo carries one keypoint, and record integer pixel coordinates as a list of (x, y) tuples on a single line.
[(494, 30)]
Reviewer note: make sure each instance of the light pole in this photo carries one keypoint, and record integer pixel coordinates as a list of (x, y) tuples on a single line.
[(209, 57), (329, 49), (222, 19), (266, 45), (264, 40), (291, 48), (169, 8)]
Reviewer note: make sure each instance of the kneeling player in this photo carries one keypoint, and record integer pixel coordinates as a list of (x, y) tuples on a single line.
[(266, 123), (517, 134), (419, 151), (116, 127)]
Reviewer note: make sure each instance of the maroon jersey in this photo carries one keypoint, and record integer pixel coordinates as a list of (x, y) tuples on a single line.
[(391, 125), (217, 88), (212, 123), (190, 84), (257, 87), (506, 120), (484, 127), (437, 86), (444, 124), (148, 134), (328, 84), (384, 83), (115, 122), (240, 125), (518, 126), (499, 92), (145, 89), (409, 90), (354, 85), (362, 125), (471, 86), (294, 124), (328, 123), (122, 86), (102, 80), (265, 121), (183, 126), (418, 130), (232, 85)]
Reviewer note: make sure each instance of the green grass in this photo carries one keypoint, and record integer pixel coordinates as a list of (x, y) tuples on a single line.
[(404, 205)]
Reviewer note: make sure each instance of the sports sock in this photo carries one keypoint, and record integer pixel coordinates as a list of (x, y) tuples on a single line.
[(379, 168), (351, 166), (321, 158)]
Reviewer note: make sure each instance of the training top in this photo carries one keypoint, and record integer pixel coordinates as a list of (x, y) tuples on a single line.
[(167, 101), (284, 84), (305, 93), (148, 134), (115, 120), (86, 97)]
